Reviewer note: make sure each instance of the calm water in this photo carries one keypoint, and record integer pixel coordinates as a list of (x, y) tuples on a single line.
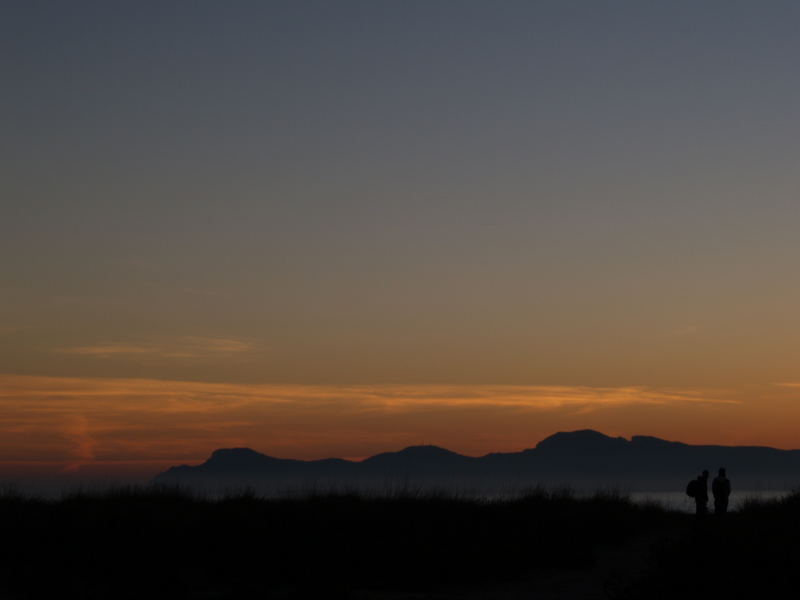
[(680, 501), (677, 500)]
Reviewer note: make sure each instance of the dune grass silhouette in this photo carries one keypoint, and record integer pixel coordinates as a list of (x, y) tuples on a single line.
[(166, 543)]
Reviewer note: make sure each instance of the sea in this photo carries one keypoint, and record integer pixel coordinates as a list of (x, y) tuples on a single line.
[(673, 500), (681, 502)]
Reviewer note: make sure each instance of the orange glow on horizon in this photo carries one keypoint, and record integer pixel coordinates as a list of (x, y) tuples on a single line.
[(124, 425)]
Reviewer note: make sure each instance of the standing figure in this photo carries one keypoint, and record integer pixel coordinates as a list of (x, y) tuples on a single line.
[(721, 488), (701, 494)]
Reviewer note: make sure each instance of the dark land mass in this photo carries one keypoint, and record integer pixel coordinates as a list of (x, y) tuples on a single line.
[(581, 459), (164, 543)]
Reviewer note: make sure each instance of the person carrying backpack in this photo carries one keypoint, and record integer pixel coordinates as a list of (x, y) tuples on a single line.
[(698, 489)]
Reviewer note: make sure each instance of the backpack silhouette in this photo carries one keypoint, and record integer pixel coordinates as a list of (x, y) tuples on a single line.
[(691, 488)]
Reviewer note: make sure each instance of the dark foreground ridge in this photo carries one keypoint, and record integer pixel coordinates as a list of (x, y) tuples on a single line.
[(581, 459), (162, 543)]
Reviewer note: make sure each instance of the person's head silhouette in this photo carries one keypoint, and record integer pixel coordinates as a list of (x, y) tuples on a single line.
[(721, 472), (705, 473)]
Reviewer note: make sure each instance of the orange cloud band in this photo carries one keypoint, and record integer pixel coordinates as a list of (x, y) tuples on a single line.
[(85, 420)]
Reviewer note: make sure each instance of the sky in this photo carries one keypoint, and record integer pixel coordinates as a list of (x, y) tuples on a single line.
[(334, 228)]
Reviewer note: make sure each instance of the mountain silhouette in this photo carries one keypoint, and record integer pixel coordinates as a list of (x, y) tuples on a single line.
[(585, 440), (583, 459)]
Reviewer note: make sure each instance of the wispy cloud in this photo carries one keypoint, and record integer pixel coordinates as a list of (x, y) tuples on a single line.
[(383, 396), (525, 397), (79, 420), (182, 347)]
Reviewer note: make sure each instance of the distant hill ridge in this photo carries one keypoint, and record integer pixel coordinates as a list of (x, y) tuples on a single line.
[(580, 459)]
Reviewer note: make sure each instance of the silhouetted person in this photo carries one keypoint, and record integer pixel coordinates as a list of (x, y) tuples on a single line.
[(721, 488), (701, 494)]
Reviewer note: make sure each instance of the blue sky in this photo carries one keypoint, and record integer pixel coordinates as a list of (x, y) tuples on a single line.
[(440, 192)]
